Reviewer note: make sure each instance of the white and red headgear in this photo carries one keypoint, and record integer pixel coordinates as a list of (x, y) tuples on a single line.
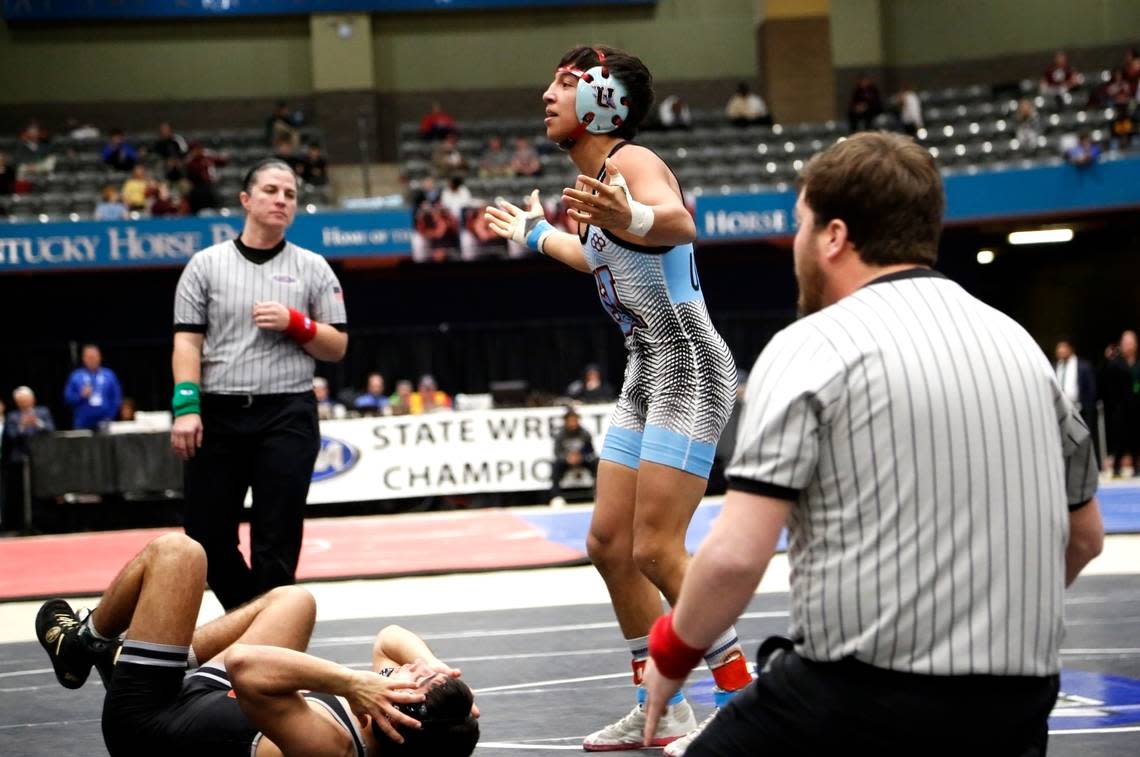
[(601, 103)]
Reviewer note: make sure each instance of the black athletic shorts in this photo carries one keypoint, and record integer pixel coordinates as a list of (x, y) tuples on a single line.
[(801, 707), (151, 710)]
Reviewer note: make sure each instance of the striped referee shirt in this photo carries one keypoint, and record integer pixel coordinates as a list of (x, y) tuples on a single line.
[(933, 460), (216, 295)]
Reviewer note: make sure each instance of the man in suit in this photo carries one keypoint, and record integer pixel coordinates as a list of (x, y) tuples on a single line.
[(1078, 382)]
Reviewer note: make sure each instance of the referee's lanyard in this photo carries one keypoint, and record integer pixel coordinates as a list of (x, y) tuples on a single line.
[(95, 399)]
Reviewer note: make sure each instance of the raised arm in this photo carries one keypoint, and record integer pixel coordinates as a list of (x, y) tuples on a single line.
[(268, 680), (529, 227), (640, 200), (321, 340)]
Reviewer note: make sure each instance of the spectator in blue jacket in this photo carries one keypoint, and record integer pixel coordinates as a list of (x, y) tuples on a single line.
[(93, 392), (120, 154), (373, 401)]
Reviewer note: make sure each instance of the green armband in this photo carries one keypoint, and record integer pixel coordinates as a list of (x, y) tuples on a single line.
[(186, 399)]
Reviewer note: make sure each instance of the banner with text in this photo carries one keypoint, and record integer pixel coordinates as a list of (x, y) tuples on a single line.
[(94, 244), (366, 459), (1009, 193), (60, 10)]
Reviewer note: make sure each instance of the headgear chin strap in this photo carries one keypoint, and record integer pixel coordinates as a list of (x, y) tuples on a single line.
[(601, 103)]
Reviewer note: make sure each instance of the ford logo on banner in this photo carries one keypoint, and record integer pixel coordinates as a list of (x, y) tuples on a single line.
[(334, 458)]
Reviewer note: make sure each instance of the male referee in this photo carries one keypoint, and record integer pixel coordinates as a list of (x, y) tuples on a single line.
[(936, 506), (250, 317)]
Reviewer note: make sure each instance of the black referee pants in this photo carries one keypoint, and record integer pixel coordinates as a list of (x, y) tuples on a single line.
[(800, 707), (268, 444)]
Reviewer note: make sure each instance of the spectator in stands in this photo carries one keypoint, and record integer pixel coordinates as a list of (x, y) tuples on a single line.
[(168, 203), (910, 109), (1028, 124), (428, 398), (1059, 78), (674, 113), (92, 392), (33, 155), (202, 172), (286, 151), (326, 408), (1084, 153), (282, 123), (400, 403), (447, 159), (591, 387), (1132, 69), (110, 208), (455, 197), (746, 108), (316, 170), (1118, 92), (436, 232), (425, 191), (573, 448), (119, 154), (865, 106), (7, 175), (137, 189), (437, 124), (1123, 127), (169, 143), (21, 424), (524, 160), (495, 161), (373, 401)]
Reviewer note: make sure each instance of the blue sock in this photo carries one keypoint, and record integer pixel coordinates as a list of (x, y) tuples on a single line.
[(642, 694)]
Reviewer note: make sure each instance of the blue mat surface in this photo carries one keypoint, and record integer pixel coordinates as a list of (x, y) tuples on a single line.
[(1119, 503)]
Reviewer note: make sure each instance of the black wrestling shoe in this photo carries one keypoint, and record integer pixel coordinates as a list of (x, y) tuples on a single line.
[(57, 628), (106, 652)]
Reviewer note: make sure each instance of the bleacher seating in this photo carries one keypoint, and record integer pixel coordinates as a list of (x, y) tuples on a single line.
[(72, 190), (965, 128)]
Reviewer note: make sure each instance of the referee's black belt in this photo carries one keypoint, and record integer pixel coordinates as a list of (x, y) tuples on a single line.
[(249, 400)]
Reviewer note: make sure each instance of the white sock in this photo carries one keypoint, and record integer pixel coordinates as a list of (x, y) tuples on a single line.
[(89, 624)]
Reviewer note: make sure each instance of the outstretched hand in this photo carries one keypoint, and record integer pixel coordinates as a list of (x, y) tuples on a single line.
[(601, 204), (512, 222)]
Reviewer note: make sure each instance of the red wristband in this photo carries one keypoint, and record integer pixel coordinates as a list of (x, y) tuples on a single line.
[(672, 656), (301, 327)]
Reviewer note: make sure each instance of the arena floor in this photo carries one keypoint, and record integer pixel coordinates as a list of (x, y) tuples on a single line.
[(543, 652)]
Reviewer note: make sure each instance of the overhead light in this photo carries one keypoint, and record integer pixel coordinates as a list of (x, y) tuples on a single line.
[(985, 257), (1041, 236)]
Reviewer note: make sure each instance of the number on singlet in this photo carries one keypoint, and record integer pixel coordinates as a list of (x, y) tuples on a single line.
[(607, 293)]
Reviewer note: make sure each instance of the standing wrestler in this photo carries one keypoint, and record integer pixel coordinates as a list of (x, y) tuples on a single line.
[(251, 316), (635, 237)]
